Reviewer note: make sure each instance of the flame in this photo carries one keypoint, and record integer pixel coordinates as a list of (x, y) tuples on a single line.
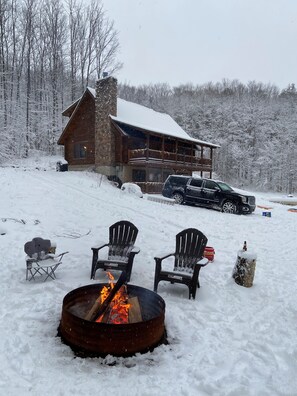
[(118, 311)]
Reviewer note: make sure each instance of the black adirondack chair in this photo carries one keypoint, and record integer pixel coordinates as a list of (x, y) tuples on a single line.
[(121, 249), (188, 260)]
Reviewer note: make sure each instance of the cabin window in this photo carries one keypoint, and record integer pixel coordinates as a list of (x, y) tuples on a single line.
[(138, 175), (155, 175), (198, 151), (155, 143), (137, 143), (166, 173), (170, 145), (206, 152), (80, 150)]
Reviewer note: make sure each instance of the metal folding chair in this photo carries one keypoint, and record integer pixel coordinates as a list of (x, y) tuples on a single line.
[(39, 260)]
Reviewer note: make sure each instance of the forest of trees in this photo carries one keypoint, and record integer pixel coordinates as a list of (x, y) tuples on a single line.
[(255, 125), (50, 50)]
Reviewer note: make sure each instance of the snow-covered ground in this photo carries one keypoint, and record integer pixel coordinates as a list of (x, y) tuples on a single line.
[(229, 341)]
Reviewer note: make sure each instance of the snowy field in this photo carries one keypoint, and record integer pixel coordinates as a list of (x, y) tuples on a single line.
[(229, 341)]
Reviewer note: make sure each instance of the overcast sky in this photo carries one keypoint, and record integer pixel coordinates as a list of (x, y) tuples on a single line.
[(197, 41)]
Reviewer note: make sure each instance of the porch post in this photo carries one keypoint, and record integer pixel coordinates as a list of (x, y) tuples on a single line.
[(201, 172), (146, 163), (147, 146), (211, 163)]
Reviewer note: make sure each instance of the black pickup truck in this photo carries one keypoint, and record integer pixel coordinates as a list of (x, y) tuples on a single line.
[(209, 193)]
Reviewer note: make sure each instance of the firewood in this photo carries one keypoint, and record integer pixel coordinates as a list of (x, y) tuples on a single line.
[(244, 269), (134, 310), (92, 312), (99, 309), (105, 317), (122, 279)]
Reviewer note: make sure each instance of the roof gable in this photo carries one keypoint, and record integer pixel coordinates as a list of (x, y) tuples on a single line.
[(70, 112)]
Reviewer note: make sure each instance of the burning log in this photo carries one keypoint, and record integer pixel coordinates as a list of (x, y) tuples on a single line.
[(92, 312), (98, 308), (134, 310), (114, 305), (122, 311), (117, 311)]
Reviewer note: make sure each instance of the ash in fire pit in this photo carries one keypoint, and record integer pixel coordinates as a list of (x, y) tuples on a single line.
[(96, 338)]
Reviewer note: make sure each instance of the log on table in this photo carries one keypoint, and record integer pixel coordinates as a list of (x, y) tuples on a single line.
[(244, 269)]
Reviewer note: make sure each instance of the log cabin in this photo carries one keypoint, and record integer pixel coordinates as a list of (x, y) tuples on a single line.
[(129, 142)]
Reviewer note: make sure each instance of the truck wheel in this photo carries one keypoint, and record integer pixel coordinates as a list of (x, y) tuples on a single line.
[(229, 207), (178, 197)]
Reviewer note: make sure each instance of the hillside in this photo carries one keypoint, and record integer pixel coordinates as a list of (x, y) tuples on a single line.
[(229, 341)]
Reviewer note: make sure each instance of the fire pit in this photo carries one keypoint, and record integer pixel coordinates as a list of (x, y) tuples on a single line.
[(91, 338)]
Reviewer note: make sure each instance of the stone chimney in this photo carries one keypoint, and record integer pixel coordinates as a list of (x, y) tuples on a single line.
[(105, 105)]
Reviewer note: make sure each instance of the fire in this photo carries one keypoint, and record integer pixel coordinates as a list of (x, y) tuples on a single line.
[(118, 310)]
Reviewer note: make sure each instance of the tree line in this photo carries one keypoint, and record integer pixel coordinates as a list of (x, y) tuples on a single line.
[(50, 50), (255, 125)]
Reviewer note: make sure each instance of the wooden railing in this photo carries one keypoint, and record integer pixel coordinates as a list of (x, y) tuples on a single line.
[(155, 156)]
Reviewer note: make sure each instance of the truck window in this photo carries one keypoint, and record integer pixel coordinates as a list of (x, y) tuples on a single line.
[(211, 185), (196, 182)]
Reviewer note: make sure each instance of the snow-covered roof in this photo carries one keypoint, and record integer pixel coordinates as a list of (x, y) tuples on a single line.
[(150, 120)]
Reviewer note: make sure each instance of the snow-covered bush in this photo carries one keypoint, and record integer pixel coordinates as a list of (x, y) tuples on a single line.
[(131, 188)]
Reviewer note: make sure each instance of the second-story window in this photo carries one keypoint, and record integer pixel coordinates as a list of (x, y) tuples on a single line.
[(138, 175)]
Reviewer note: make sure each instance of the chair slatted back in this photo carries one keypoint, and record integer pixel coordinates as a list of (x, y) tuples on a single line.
[(37, 248), (190, 244), (122, 236)]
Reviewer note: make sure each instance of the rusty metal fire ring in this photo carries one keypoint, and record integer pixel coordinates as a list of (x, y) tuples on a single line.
[(88, 338)]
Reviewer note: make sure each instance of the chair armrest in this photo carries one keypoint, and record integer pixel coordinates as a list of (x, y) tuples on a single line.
[(60, 255), (163, 257), (158, 264), (31, 260), (135, 250), (202, 262), (53, 256), (99, 246)]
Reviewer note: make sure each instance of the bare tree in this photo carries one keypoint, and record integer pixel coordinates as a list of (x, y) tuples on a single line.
[(4, 65), (29, 11), (55, 23), (106, 48), (94, 41), (75, 18), (49, 51)]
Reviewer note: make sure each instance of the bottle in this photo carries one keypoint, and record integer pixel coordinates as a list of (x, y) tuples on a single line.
[(244, 246)]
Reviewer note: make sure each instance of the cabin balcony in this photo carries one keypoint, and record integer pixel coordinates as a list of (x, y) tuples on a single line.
[(168, 159)]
